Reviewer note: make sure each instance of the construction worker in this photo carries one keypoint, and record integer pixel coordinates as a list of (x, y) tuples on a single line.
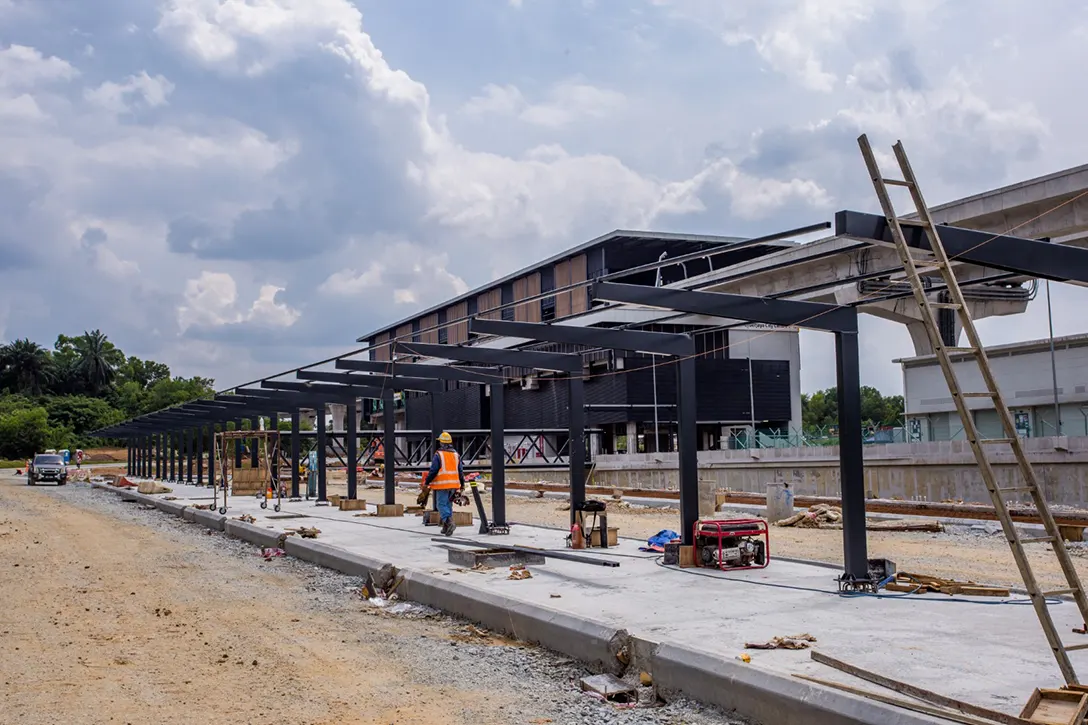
[(447, 479)]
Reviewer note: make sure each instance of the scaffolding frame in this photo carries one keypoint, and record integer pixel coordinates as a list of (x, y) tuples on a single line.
[(268, 462)]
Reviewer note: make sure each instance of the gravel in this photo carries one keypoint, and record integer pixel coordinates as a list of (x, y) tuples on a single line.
[(466, 650)]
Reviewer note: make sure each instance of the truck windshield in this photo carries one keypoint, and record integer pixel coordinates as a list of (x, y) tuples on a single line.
[(48, 460)]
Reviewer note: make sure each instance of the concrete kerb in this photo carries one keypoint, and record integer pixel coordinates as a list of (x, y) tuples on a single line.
[(266, 538), (763, 696), (597, 645), (334, 558), (170, 507)]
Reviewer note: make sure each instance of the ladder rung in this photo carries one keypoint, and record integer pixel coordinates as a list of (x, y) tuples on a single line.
[(945, 305), (1058, 593), (978, 395), (1015, 489), (960, 350), (1074, 647), (897, 182), (995, 441), (1035, 539), (913, 223)]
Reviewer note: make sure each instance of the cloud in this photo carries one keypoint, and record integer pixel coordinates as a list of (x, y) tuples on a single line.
[(141, 88), (341, 174), (25, 67), (211, 300), (568, 102)]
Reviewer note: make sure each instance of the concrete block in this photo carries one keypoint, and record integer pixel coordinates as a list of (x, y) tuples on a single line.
[(594, 643), (210, 519), (779, 502), (352, 504), (393, 509), (170, 507), (761, 696), (333, 557), (268, 538)]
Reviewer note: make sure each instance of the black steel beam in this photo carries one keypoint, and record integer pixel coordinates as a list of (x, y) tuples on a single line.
[(296, 425), (389, 446), (1029, 257), (325, 389), (351, 428), (557, 362), (484, 376), (786, 313), (688, 441), (851, 456), (396, 382), (662, 343), (291, 399)]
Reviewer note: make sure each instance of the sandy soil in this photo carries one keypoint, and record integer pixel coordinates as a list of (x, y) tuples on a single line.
[(158, 621), (964, 555)]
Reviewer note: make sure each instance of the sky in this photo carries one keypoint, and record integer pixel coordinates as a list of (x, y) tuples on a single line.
[(239, 187)]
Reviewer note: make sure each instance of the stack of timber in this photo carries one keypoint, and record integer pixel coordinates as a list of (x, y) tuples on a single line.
[(925, 584), (249, 481)]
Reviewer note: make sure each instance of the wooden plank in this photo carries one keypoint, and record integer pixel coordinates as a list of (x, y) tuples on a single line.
[(382, 351), (562, 299), (579, 297), (534, 290), (425, 335), (917, 692), (458, 332), (905, 704)]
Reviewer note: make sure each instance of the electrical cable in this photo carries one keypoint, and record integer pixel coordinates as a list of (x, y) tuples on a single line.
[(660, 562)]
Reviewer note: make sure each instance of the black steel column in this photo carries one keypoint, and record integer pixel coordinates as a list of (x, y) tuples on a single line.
[(436, 425), (237, 444), (351, 430), (577, 421), (688, 441), (128, 456), (389, 445), (254, 425), (296, 424), (171, 451), (851, 461), (321, 451), (145, 456), (200, 456), (498, 454), (188, 455), (162, 456)]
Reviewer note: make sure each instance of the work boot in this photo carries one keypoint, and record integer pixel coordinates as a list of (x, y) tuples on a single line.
[(451, 527), (446, 527)]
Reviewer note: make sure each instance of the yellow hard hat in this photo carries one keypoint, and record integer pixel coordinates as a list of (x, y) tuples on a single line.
[(445, 438)]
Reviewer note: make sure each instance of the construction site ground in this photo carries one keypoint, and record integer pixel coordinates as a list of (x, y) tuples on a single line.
[(933, 641), (975, 550), (115, 614)]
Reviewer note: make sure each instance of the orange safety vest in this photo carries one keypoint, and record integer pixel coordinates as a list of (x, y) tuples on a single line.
[(447, 475), (379, 452)]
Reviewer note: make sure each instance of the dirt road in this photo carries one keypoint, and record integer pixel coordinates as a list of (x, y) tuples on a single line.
[(113, 614)]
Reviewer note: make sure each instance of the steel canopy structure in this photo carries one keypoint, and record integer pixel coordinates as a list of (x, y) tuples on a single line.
[(186, 427)]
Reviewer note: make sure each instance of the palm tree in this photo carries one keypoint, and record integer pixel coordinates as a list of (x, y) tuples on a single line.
[(27, 364), (98, 360)]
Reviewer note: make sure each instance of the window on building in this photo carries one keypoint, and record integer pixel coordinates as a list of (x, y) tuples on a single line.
[(507, 291), (415, 331), (443, 333)]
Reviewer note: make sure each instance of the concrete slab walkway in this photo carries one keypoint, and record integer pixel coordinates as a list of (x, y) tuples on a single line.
[(987, 651)]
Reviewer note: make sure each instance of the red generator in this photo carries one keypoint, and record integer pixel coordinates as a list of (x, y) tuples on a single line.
[(732, 544)]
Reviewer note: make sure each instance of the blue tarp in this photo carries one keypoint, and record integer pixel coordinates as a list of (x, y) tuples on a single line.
[(657, 541)]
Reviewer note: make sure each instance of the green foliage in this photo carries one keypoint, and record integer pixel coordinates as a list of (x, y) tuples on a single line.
[(285, 425), (24, 432), (821, 409), (12, 464), (55, 398)]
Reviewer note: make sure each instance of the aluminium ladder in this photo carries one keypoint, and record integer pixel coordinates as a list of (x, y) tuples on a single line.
[(940, 262)]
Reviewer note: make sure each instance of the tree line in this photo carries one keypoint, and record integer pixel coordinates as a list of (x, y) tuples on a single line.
[(821, 409), (52, 398)]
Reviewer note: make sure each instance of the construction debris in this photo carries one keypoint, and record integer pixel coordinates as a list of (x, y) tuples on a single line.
[(820, 516), (924, 584), (304, 532), (518, 571), (610, 688), (151, 487), (246, 518), (793, 641)]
